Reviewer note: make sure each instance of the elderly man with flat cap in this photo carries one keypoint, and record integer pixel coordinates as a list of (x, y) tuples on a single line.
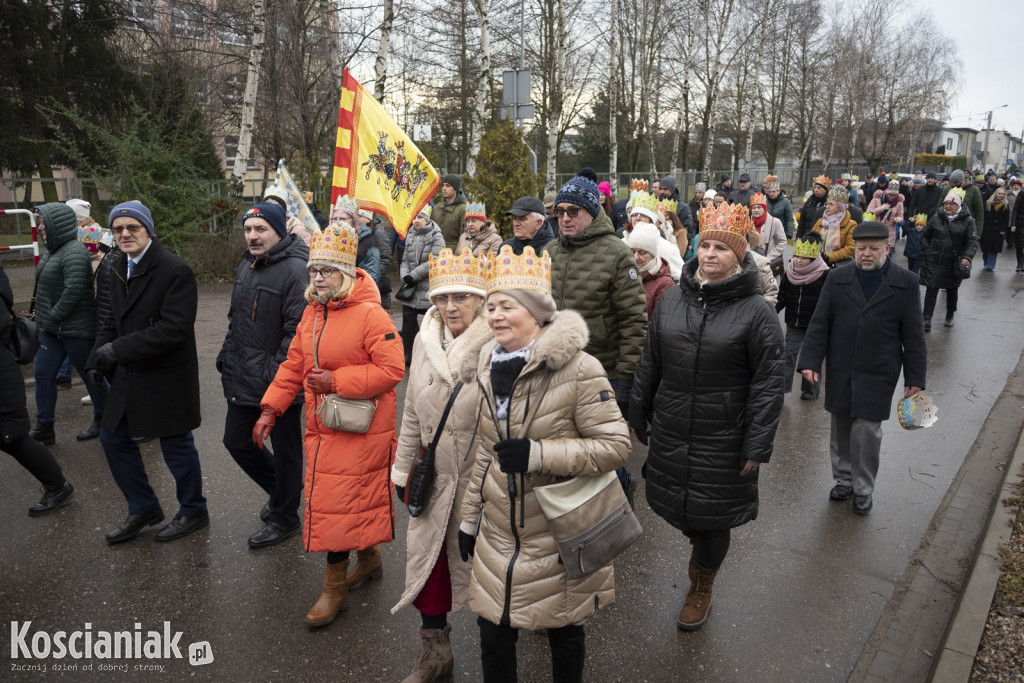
[(867, 328), (531, 226)]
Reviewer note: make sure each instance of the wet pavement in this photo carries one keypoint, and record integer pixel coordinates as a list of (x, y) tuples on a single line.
[(798, 599)]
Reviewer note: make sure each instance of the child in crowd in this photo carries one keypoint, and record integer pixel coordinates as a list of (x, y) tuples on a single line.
[(799, 290)]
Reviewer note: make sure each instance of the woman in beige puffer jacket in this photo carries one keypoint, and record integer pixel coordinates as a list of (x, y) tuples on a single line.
[(572, 427)]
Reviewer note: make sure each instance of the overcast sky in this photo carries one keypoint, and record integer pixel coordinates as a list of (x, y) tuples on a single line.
[(991, 46)]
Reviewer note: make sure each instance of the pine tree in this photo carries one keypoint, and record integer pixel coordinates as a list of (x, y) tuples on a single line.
[(503, 174)]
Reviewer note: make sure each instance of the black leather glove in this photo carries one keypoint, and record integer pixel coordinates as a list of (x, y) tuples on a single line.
[(639, 426), (513, 455), (400, 493), (105, 356), (623, 388), (467, 544), (408, 279), (95, 378)]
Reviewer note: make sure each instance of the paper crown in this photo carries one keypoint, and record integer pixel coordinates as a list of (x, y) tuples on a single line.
[(476, 210), (957, 191), (823, 180), (89, 234), (335, 246), (426, 210), (771, 183), (759, 199), (839, 194), (732, 218), (450, 273), (921, 219), (642, 200), (636, 185), (667, 205), (347, 203), (508, 271), (855, 178), (275, 191), (868, 217), (807, 248)]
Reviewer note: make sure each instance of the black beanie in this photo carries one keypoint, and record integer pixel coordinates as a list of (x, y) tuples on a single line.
[(453, 180)]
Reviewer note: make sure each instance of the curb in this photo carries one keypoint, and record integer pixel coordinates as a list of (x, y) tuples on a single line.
[(955, 659)]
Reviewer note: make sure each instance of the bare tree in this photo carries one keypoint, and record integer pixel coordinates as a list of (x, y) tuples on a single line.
[(482, 85), (252, 82)]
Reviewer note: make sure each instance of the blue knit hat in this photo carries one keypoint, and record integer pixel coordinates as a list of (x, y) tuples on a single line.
[(136, 210), (272, 213), (582, 192)]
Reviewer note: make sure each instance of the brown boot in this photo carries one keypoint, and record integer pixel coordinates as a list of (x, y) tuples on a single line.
[(367, 566), (698, 599), (435, 659), (332, 599)]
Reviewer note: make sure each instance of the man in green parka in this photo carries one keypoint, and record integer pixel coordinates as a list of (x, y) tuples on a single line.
[(450, 214)]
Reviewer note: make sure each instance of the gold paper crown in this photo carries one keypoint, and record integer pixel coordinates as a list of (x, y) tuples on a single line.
[(839, 194), (732, 218), (957, 191), (347, 203), (636, 185), (807, 249), (508, 271), (868, 216), (921, 219), (667, 205), (759, 198), (451, 273), (476, 210), (336, 245), (642, 200), (823, 180)]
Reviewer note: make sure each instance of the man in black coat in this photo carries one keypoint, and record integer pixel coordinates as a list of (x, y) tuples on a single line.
[(266, 305), (808, 212), (925, 199), (147, 347), (867, 326)]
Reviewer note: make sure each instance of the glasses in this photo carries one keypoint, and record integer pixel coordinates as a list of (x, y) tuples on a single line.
[(457, 299), (322, 272), (573, 211), (118, 229)]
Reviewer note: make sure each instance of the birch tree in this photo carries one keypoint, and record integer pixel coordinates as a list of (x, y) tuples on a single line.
[(482, 84), (613, 98), (252, 82), (557, 79), (380, 68)]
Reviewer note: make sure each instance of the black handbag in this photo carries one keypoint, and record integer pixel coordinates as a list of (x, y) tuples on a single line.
[(25, 334), (960, 271), (421, 477), (406, 293)]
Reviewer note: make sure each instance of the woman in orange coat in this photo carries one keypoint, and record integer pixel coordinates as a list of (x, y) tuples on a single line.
[(345, 344)]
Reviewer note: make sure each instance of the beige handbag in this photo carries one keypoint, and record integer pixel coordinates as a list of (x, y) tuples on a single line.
[(343, 414), (590, 520)]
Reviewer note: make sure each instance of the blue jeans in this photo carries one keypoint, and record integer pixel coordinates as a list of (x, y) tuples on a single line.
[(990, 259), (51, 353), (129, 473), (65, 369)]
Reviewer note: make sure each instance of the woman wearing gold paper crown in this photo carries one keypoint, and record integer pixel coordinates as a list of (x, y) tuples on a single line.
[(836, 228), (547, 411), (710, 384), (454, 330), (345, 344), (480, 234), (799, 292)]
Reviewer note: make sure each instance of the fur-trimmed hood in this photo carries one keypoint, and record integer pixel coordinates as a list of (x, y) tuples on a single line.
[(561, 339), (465, 348)]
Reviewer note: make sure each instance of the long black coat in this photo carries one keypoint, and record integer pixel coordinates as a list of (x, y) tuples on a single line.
[(711, 383), (865, 344), (152, 326), (14, 422), (267, 303), (996, 225), (937, 259)]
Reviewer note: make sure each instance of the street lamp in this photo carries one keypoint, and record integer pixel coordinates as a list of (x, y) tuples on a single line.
[(988, 129)]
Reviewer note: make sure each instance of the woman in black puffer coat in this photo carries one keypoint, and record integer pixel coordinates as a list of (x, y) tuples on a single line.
[(710, 382), (951, 228)]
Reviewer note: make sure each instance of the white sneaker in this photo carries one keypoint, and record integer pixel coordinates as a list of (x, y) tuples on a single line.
[(87, 400)]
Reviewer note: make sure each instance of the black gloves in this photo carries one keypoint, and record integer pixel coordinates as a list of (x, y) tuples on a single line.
[(639, 426), (105, 356), (467, 544), (400, 493), (409, 280), (623, 388), (513, 455)]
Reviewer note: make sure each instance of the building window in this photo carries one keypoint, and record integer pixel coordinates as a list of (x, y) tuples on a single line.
[(188, 20), (142, 14)]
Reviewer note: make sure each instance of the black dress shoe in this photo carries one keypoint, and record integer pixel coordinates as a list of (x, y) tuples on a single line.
[(840, 492), (133, 525), (53, 498), (43, 433), (808, 396), (90, 432), (949, 322), (265, 513), (139, 440), (862, 504), (272, 534), (182, 526)]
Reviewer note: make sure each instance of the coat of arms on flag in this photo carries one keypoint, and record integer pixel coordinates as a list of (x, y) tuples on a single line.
[(376, 163)]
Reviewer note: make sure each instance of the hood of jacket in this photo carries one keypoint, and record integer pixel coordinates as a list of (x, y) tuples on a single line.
[(555, 345), (60, 223), (602, 225), (290, 246), (744, 283), (425, 232), (460, 198), (449, 362), (364, 291)]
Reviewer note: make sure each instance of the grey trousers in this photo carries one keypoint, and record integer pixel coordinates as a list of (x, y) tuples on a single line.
[(854, 448)]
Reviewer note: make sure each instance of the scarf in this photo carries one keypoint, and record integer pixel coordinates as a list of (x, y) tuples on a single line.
[(805, 275), (505, 369), (830, 223), (758, 222), (892, 198), (653, 266)]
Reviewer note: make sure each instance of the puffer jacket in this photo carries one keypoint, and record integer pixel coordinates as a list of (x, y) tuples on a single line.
[(451, 218), (595, 275), (432, 377), (486, 239), (267, 303), (380, 233), (65, 303), (711, 383), (846, 246), (561, 394), (937, 247), (368, 253), (348, 475), (799, 300), (104, 278), (807, 214), (890, 214), (419, 245)]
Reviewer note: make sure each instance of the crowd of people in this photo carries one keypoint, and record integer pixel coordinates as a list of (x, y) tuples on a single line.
[(535, 360)]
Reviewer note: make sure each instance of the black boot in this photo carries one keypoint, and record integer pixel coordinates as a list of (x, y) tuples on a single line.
[(92, 431), (43, 433), (53, 498), (949, 320)]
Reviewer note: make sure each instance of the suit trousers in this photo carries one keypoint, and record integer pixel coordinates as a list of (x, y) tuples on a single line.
[(854, 447), (125, 461), (498, 652)]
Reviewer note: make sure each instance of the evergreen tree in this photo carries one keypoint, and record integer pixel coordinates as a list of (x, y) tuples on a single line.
[(503, 174)]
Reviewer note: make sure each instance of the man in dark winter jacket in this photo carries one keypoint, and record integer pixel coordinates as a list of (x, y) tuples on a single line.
[(266, 305), (670, 190), (809, 211), (926, 198), (742, 194), (530, 226), (725, 184), (148, 348), (450, 213), (867, 327)]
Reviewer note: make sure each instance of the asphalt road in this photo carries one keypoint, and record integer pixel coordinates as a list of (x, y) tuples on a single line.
[(797, 599)]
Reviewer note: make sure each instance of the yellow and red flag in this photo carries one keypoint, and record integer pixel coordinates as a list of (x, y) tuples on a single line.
[(376, 163)]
